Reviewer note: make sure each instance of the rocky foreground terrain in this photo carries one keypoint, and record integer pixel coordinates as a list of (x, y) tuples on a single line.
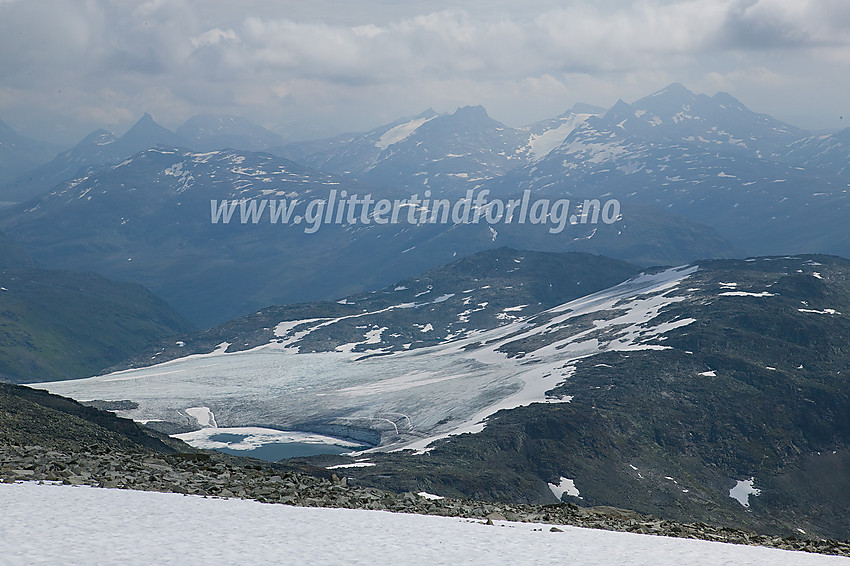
[(218, 475)]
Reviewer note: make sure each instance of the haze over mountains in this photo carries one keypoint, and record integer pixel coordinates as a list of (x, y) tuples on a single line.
[(19, 154), (696, 176)]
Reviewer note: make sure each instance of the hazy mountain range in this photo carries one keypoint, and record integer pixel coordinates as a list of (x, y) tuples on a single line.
[(696, 177)]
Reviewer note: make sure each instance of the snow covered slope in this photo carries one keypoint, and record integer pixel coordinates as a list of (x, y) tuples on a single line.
[(59, 525)]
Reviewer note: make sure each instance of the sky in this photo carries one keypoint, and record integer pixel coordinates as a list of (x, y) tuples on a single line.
[(313, 69)]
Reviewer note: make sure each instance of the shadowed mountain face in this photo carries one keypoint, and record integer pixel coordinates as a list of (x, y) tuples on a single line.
[(20, 155), (149, 220), (64, 324)]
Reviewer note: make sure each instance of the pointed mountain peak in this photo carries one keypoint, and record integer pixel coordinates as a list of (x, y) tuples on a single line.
[(145, 134), (620, 111), (676, 89), (673, 95), (145, 123)]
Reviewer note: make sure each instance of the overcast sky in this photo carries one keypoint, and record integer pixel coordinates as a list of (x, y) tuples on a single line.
[(315, 68)]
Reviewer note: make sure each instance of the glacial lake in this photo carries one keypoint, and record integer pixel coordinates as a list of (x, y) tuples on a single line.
[(274, 451)]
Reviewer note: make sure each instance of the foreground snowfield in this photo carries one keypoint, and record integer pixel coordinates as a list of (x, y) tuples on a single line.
[(56, 525)]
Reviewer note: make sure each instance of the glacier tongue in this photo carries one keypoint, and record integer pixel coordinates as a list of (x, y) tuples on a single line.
[(411, 398)]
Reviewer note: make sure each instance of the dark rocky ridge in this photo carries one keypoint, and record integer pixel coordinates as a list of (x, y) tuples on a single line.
[(35, 417)]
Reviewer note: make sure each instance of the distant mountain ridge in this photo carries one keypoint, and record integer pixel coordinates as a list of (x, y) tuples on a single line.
[(708, 159), (148, 220), (102, 149), (696, 176), (208, 132), (499, 286), (445, 154), (97, 150), (19, 154), (720, 122)]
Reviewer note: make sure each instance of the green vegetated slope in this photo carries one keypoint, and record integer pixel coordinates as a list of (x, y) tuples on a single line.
[(63, 324)]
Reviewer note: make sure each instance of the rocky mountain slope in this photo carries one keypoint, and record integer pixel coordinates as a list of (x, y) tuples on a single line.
[(737, 412), (46, 422)]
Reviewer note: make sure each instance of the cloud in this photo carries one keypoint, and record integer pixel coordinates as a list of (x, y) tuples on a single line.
[(350, 68), (213, 37), (783, 24)]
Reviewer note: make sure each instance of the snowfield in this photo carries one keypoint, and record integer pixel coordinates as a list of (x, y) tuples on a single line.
[(65, 525)]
